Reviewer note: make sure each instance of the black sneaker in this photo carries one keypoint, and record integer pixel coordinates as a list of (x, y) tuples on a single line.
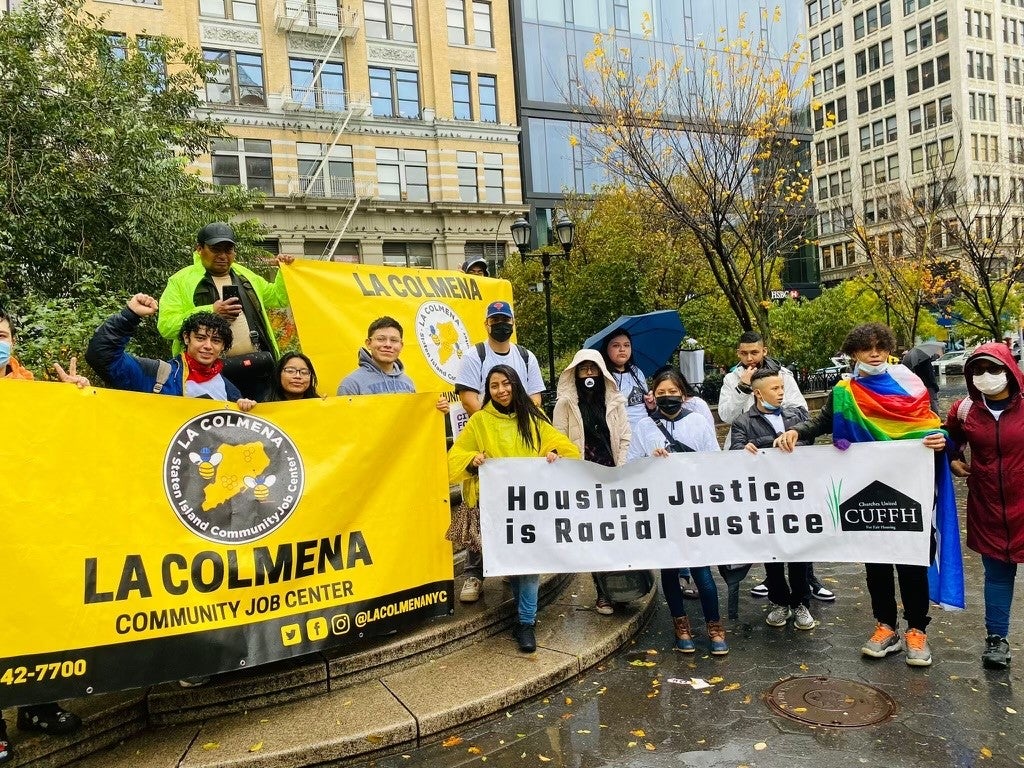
[(48, 718), (819, 592), (526, 637), (6, 750), (997, 653)]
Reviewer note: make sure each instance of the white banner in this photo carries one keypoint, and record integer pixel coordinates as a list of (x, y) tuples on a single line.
[(871, 503)]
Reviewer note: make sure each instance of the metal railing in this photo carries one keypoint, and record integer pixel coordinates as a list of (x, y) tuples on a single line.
[(316, 17), (313, 99)]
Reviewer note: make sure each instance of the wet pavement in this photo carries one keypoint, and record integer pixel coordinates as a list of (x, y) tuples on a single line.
[(639, 708)]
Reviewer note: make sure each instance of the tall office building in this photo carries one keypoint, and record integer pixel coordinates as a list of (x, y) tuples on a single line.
[(551, 38), (381, 131), (918, 88)]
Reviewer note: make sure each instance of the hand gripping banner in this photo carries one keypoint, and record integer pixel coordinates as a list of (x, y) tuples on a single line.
[(153, 538)]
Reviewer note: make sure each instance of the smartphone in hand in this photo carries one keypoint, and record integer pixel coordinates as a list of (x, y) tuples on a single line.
[(229, 292)]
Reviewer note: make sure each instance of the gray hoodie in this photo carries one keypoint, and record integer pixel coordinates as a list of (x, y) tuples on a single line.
[(369, 379)]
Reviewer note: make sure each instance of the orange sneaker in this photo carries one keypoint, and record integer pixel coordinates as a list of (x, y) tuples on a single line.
[(918, 652), (886, 640)]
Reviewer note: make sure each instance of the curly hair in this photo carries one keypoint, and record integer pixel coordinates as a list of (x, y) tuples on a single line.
[(869, 336), (213, 323)]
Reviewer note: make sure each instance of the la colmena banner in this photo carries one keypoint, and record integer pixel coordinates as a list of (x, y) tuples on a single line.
[(154, 538), (871, 503), (441, 312)]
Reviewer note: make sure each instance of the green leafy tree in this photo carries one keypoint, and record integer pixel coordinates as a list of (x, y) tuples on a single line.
[(96, 195)]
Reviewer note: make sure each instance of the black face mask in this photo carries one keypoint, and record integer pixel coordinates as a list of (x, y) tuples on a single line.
[(669, 404), (500, 331)]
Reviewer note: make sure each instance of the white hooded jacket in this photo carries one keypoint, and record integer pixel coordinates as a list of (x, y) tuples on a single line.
[(568, 419)]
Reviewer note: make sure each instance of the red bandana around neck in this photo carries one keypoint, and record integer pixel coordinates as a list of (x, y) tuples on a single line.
[(199, 372)]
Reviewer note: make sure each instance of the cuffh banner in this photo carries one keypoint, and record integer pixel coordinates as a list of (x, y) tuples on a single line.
[(871, 503), (441, 312), (156, 538)]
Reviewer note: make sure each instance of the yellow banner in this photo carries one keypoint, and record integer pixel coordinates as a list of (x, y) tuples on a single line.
[(151, 538), (441, 312)]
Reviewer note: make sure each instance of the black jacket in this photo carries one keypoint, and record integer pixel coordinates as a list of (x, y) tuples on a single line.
[(753, 427)]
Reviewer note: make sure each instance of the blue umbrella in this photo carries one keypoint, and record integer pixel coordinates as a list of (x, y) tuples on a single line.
[(655, 337)]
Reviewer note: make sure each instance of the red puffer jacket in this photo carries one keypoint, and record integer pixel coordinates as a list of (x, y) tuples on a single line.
[(995, 493)]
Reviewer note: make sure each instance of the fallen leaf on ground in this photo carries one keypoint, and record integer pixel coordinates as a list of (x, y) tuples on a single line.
[(601, 690), (639, 733), (715, 680), (211, 745), (256, 747), (649, 747), (746, 699), (544, 759), (986, 752), (731, 687), (760, 745), (652, 652), (452, 741), (1011, 710), (804, 667), (474, 750), (631, 744), (582, 730), (568, 701), (640, 663), (800, 709)]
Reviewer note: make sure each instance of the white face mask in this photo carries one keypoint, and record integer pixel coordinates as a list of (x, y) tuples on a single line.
[(990, 383), (866, 369)]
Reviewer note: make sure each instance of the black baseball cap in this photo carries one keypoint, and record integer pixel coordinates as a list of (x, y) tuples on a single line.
[(217, 232)]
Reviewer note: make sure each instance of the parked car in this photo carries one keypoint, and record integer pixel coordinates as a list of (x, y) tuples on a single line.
[(840, 365), (950, 363)]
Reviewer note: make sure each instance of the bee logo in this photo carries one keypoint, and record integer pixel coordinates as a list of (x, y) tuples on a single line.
[(206, 460), (260, 486)]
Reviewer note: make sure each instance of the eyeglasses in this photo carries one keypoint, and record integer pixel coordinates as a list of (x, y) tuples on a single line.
[(302, 373), (386, 339)]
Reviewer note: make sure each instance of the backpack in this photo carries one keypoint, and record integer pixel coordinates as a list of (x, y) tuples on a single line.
[(482, 351), (163, 372)]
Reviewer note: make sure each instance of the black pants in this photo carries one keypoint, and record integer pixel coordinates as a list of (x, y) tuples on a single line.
[(474, 565), (796, 592), (913, 593)]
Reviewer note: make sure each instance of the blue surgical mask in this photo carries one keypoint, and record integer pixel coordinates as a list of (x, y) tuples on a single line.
[(5, 354), (865, 369), (769, 407)]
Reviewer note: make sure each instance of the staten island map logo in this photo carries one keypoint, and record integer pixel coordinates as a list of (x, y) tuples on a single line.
[(442, 338), (231, 477)]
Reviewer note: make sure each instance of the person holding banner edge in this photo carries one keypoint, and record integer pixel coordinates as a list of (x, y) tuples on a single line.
[(470, 385), (673, 429), (48, 718), (509, 424), (881, 401), (591, 411)]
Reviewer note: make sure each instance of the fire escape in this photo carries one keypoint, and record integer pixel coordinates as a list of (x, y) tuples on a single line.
[(328, 23)]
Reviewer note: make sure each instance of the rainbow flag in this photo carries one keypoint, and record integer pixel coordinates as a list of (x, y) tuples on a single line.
[(893, 405)]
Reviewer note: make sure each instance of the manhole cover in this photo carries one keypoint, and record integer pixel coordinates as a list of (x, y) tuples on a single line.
[(830, 701)]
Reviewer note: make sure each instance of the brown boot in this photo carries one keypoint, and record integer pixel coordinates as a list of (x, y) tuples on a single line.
[(684, 640), (716, 633)]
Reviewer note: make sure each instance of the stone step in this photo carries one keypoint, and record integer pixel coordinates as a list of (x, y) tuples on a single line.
[(108, 718), (398, 710)]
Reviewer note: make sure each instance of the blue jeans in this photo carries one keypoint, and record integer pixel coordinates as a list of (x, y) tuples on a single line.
[(999, 577), (525, 589), (705, 586)]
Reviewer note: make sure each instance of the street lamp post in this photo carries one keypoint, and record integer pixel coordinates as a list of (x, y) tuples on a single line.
[(565, 230)]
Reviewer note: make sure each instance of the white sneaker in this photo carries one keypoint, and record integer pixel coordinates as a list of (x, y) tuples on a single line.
[(470, 592), (802, 618), (778, 616)]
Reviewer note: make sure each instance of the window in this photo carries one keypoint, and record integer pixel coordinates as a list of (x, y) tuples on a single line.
[(487, 86), (494, 178), (238, 79), (462, 109), (482, 35), (117, 46), (416, 255), (389, 20), (395, 92), (243, 162), (239, 10), (402, 174), (329, 177), (327, 93), (467, 176), (456, 10)]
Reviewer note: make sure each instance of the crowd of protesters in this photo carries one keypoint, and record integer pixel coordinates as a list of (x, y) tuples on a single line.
[(214, 313)]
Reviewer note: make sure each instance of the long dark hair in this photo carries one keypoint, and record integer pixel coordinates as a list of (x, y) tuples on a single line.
[(277, 392), (676, 377), (528, 415)]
